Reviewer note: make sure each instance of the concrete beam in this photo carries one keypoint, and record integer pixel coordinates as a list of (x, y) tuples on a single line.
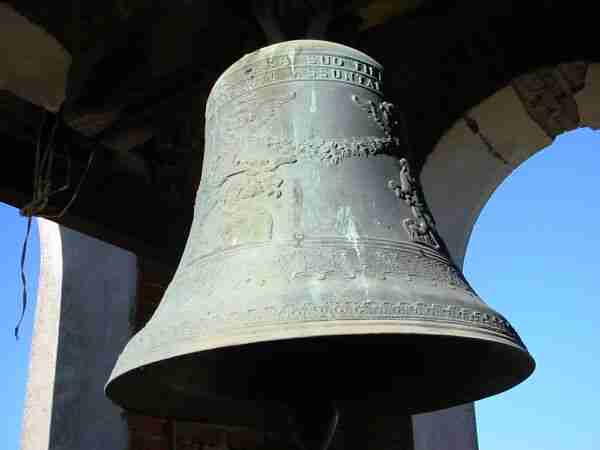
[(33, 64)]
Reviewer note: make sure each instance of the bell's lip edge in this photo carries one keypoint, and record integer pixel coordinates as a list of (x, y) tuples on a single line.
[(376, 326)]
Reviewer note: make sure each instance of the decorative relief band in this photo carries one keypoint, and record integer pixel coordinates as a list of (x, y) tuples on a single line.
[(334, 151), (289, 67), (336, 258), (331, 310), (330, 152), (345, 262), (254, 114)]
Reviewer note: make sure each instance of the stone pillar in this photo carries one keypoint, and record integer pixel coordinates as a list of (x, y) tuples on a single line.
[(448, 429), (85, 302)]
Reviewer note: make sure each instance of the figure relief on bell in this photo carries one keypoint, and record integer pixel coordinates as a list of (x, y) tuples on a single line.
[(381, 113), (421, 227), (253, 114), (248, 195)]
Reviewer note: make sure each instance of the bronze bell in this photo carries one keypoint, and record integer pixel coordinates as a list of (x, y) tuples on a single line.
[(313, 271)]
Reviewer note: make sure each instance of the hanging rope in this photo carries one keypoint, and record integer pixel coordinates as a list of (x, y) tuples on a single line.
[(31, 208), (43, 190), (328, 435), (77, 189), (331, 429), (23, 279)]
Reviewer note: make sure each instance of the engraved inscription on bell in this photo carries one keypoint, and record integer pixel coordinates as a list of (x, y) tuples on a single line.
[(313, 268)]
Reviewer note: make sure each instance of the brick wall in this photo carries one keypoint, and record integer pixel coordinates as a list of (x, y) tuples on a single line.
[(149, 433)]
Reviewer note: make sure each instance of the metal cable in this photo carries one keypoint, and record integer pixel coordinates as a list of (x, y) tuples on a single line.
[(42, 191), (23, 278)]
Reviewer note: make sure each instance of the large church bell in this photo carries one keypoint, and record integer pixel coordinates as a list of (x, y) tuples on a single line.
[(313, 273)]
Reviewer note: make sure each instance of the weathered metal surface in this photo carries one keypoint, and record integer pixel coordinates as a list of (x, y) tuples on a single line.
[(314, 271)]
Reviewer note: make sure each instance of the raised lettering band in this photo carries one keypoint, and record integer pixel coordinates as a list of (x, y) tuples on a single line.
[(289, 67)]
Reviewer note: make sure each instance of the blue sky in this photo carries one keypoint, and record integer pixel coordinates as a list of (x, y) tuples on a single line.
[(14, 360), (533, 256)]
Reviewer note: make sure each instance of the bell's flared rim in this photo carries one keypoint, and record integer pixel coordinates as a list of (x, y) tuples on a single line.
[(504, 363)]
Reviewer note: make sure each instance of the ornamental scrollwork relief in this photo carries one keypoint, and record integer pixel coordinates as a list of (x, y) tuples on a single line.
[(333, 152)]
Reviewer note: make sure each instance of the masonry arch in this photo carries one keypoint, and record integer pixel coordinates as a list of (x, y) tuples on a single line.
[(532, 255), (482, 148), (472, 159)]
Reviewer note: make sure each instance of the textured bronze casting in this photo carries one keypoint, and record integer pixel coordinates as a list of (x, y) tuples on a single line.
[(313, 272)]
